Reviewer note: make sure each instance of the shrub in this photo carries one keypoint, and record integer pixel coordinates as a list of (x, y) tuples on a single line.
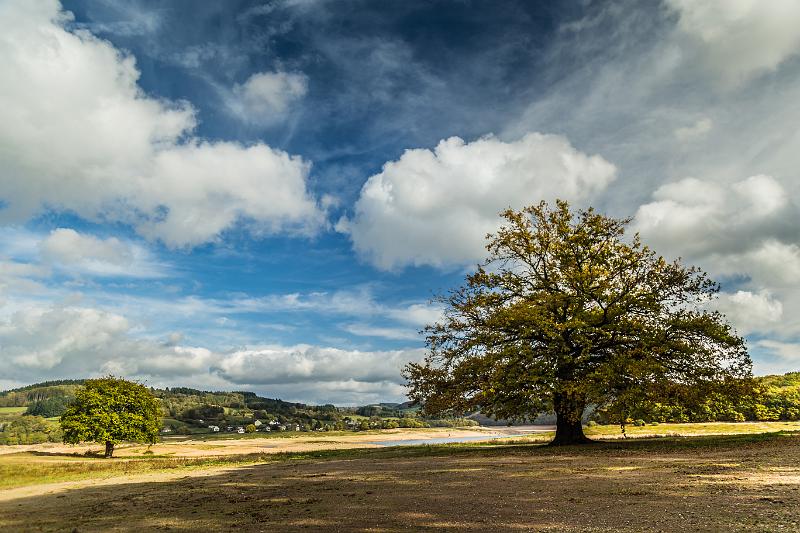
[(407, 422), (653, 423), (30, 430), (638, 422), (450, 422)]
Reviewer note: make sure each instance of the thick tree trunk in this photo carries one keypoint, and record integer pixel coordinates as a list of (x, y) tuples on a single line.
[(569, 412), (109, 449)]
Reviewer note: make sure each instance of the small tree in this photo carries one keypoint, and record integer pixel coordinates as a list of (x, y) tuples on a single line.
[(565, 313), (110, 410)]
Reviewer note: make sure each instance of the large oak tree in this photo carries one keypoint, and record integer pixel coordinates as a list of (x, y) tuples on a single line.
[(110, 410), (566, 313)]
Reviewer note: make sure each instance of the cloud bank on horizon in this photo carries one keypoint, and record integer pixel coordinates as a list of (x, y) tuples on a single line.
[(268, 200)]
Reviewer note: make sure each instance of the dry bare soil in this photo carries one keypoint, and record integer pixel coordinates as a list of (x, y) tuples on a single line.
[(705, 483)]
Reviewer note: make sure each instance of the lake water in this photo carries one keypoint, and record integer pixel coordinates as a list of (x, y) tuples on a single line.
[(441, 440)]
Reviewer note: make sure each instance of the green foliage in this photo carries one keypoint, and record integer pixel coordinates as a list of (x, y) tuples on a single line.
[(408, 422), (29, 430), (450, 422), (204, 412), (767, 398), (111, 410), (639, 423), (190, 406), (565, 313), (49, 407), (250, 428), (386, 410), (24, 396)]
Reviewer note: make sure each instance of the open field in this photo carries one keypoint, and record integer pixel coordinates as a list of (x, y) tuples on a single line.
[(720, 483), (692, 429), (259, 443), (12, 410)]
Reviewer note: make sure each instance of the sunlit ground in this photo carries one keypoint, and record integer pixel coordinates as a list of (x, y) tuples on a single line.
[(723, 483)]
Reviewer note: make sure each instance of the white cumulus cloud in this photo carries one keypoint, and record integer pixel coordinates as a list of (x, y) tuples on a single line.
[(78, 134), (435, 207), (41, 341), (702, 218), (744, 234), (740, 38), (304, 363), (751, 312), (81, 253)]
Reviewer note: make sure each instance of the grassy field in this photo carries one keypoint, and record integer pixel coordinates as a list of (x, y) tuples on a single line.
[(43, 465), (12, 410), (694, 429), (748, 482), (262, 435)]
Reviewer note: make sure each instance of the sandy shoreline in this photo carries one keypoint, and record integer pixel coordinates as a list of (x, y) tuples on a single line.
[(300, 442)]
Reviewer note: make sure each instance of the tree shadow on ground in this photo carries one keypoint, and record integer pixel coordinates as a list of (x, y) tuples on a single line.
[(720, 483)]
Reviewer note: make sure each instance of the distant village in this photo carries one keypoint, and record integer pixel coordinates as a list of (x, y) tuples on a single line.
[(275, 425)]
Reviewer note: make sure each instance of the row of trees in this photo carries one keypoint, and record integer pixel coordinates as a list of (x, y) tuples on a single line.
[(755, 401)]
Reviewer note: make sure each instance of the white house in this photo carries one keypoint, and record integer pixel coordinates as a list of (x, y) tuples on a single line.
[(214, 428)]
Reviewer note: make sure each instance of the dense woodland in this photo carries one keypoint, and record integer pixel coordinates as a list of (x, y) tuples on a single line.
[(28, 415)]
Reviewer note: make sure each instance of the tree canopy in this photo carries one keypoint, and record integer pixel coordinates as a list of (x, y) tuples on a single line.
[(110, 410), (565, 313)]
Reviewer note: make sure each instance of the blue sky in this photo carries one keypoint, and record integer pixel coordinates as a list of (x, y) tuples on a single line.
[(265, 195)]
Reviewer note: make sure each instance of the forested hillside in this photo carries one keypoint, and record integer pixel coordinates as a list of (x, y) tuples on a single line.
[(30, 414)]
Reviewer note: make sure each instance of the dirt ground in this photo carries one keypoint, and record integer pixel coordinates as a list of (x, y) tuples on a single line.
[(301, 442), (733, 483)]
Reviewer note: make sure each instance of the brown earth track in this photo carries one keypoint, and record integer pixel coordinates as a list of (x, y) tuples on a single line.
[(705, 484)]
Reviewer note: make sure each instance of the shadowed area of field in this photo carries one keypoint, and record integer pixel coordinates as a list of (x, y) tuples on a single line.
[(702, 483)]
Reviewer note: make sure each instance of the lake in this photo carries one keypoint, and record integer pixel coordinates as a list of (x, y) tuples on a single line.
[(441, 440)]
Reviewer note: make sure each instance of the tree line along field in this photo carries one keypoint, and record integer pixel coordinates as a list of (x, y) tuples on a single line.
[(190, 412)]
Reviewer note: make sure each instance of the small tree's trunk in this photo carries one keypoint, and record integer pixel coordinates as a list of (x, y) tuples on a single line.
[(109, 449), (569, 412)]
